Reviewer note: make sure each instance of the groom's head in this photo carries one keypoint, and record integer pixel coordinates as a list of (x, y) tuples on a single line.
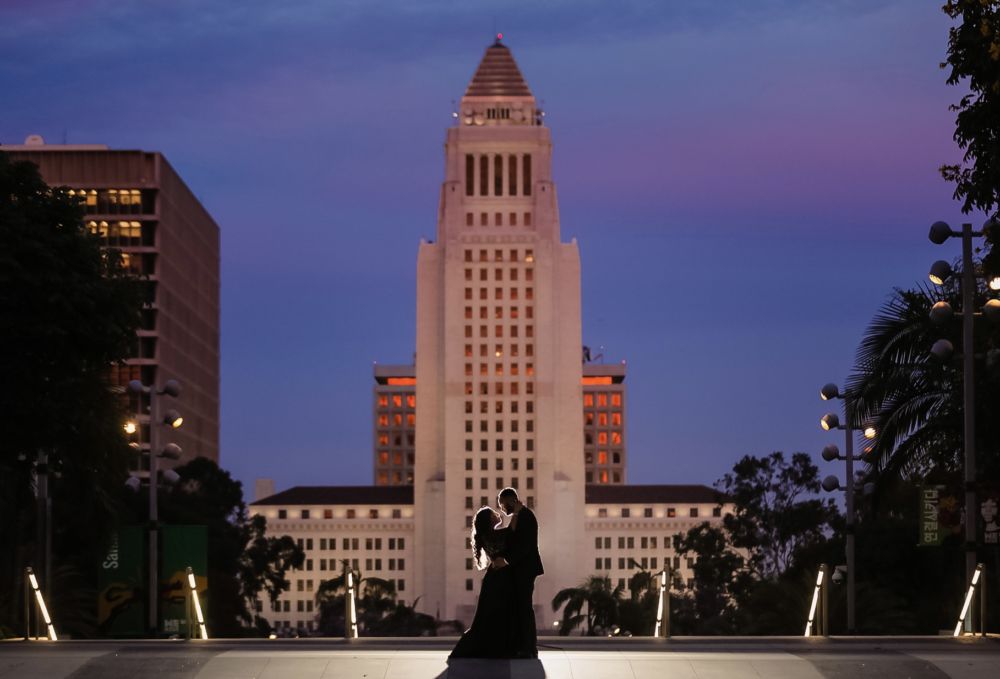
[(507, 499)]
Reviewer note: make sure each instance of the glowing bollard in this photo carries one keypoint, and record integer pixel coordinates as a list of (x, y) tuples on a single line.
[(42, 608), (196, 603), (968, 602), (818, 603)]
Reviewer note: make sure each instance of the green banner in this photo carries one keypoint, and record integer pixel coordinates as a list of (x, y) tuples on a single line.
[(121, 604), (180, 547), (940, 514)]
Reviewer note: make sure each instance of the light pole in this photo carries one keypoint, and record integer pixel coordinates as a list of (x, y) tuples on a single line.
[(172, 419), (831, 483), (941, 311)]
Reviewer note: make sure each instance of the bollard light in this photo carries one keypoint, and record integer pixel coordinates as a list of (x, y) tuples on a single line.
[(815, 602), (40, 600), (995, 283), (968, 599), (353, 609), (193, 587), (130, 427)]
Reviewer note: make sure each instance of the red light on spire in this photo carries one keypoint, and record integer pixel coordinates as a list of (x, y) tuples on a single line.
[(499, 36)]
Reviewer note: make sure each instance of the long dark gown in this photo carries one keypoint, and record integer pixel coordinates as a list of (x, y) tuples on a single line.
[(493, 633)]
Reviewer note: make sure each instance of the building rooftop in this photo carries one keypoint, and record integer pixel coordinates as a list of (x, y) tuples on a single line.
[(498, 75), (341, 495), (652, 494)]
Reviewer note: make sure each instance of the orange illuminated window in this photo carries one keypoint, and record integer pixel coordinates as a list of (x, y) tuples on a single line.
[(383, 478), (616, 438), (616, 419), (588, 381), (402, 381), (602, 400), (602, 438), (383, 400), (604, 476), (383, 457), (602, 457), (588, 399), (383, 420), (616, 400), (383, 439), (529, 368), (602, 419), (397, 419), (411, 419), (411, 401), (397, 401)]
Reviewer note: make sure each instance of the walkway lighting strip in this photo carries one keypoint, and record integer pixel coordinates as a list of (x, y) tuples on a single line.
[(41, 605), (815, 601), (192, 584), (968, 599)]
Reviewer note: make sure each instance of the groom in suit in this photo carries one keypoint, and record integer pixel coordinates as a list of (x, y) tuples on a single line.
[(523, 557)]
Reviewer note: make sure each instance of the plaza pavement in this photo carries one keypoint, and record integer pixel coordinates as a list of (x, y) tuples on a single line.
[(559, 658)]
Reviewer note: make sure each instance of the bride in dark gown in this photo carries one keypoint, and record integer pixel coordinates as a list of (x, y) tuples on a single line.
[(492, 634)]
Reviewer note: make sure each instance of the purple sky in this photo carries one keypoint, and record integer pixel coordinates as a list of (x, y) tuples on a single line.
[(747, 182)]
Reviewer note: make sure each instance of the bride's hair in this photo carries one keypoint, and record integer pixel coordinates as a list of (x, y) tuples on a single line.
[(484, 538)]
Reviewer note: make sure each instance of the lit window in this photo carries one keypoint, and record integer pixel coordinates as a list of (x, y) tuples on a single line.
[(383, 400), (616, 400), (588, 400)]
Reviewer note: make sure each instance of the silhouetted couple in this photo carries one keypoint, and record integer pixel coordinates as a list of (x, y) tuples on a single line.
[(504, 624)]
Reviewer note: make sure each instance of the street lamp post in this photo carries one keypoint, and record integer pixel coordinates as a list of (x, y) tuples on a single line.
[(173, 419), (831, 483), (940, 271)]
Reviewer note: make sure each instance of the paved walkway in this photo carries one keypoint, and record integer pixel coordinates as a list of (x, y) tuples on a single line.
[(930, 658)]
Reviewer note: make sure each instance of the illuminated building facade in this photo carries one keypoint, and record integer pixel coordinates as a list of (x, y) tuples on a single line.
[(500, 393), (136, 202)]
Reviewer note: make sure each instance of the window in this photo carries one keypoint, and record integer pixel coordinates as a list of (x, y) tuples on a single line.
[(512, 179), (602, 513), (469, 219), (484, 171), (526, 174), (498, 175), (372, 513), (626, 512), (694, 512), (351, 513), (616, 400), (282, 513), (671, 512), (470, 176), (716, 511), (648, 512)]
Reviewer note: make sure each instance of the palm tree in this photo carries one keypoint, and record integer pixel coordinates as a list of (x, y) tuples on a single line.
[(600, 599), (913, 400)]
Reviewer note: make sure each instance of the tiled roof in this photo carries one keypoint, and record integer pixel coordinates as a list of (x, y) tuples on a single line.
[(625, 494), (498, 75), (341, 495)]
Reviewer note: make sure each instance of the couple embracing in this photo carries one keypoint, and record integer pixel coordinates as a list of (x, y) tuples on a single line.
[(504, 624)]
